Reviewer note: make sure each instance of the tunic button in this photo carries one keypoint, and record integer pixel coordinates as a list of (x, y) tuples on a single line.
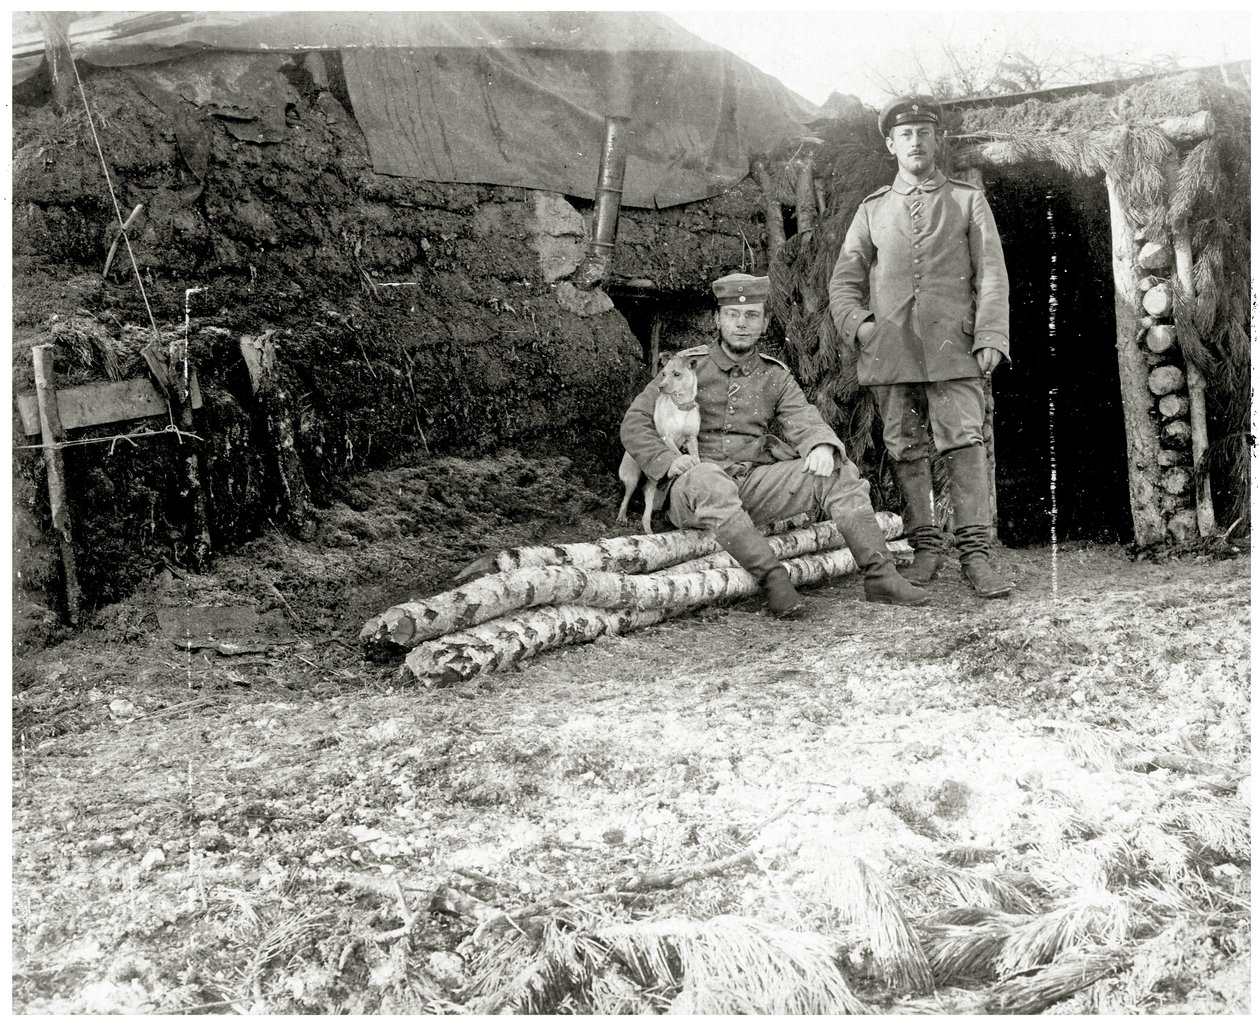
[(918, 260)]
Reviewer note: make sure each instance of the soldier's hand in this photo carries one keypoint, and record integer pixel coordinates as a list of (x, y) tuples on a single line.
[(821, 460), (682, 465), (988, 358), (865, 330)]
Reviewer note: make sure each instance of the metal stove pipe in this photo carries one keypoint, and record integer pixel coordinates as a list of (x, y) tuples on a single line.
[(612, 175)]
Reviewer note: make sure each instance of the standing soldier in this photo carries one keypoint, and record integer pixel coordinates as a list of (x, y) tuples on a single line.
[(926, 252), (747, 476)]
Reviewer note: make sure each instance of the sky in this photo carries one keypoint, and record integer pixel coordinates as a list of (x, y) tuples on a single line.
[(874, 54), (862, 53)]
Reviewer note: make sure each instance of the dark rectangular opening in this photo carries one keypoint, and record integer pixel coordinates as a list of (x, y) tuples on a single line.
[(1057, 407)]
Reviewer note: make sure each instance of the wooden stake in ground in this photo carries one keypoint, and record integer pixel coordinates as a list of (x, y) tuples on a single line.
[(502, 643), (776, 234), (52, 434), (1196, 387), (1135, 397)]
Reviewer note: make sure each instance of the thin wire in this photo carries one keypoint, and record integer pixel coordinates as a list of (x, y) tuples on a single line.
[(87, 110), (130, 436)]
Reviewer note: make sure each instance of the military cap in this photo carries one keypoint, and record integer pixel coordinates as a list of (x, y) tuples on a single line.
[(907, 109), (741, 289)]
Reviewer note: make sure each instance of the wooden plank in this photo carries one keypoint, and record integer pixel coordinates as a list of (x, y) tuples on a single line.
[(102, 402)]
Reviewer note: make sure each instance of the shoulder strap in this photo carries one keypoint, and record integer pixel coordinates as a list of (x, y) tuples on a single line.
[(771, 359), (878, 192)]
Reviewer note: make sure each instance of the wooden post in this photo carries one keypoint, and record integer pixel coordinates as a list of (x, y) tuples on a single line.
[(56, 25), (1196, 386), (1139, 426), (654, 350), (806, 202), (53, 434), (775, 232)]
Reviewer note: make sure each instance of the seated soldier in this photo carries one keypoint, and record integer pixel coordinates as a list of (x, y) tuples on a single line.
[(743, 476)]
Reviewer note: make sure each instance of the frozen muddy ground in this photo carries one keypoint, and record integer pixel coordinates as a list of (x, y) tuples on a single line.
[(998, 792)]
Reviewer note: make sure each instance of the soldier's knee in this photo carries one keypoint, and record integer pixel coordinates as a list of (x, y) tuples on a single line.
[(845, 490), (705, 483)]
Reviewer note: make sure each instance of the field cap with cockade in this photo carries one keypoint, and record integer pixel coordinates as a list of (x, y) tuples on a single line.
[(741, 289), (905, 110)]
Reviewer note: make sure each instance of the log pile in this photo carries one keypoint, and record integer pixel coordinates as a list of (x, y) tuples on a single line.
[(1160, 349), (544, 597), (1167, 383)]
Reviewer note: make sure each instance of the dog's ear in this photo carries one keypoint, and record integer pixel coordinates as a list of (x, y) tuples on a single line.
[(693, 362), (662, 359)]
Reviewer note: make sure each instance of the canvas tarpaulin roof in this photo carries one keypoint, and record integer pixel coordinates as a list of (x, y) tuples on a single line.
[(509, 98)]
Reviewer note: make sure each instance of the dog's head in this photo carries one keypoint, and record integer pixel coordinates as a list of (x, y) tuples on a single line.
[(678, 379)]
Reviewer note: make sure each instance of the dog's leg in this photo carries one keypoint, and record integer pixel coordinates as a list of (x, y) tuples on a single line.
[(629, 473), (649, 500)]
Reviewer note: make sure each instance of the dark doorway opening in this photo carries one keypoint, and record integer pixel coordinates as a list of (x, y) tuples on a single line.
[(663, 322), (1058, 422)]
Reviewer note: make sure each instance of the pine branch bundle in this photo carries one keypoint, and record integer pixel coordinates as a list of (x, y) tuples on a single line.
[(1137, 166), (1098, 917), (84, 343), (975, 889), (1029, 995), (1200, 183), (535, 972), (1167, 856), (1060, 868), (1222, 826), (964, 953), (1094, 748), (1208, 242), (858, 895), (731, 965), (1189, 340)]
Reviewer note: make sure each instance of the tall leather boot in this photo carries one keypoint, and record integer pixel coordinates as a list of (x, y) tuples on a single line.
[(969, 488), (880, 579), (914, 478), (750, 550)]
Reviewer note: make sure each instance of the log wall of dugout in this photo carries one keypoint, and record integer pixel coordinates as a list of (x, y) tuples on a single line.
[(1159, 263)]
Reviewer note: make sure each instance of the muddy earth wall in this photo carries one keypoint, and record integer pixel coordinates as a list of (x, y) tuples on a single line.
[(387, 319)]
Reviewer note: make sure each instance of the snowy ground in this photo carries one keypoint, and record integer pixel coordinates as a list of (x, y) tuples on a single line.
[(1063, 776)]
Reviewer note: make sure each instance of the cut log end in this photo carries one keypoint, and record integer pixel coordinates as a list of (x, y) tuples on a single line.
[(1165, 380)]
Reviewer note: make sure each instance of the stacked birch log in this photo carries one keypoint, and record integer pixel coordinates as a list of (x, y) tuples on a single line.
[(1167, 382), (540, 597)]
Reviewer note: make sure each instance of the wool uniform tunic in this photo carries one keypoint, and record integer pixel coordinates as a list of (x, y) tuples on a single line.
[(938, 288), (744, 464)]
